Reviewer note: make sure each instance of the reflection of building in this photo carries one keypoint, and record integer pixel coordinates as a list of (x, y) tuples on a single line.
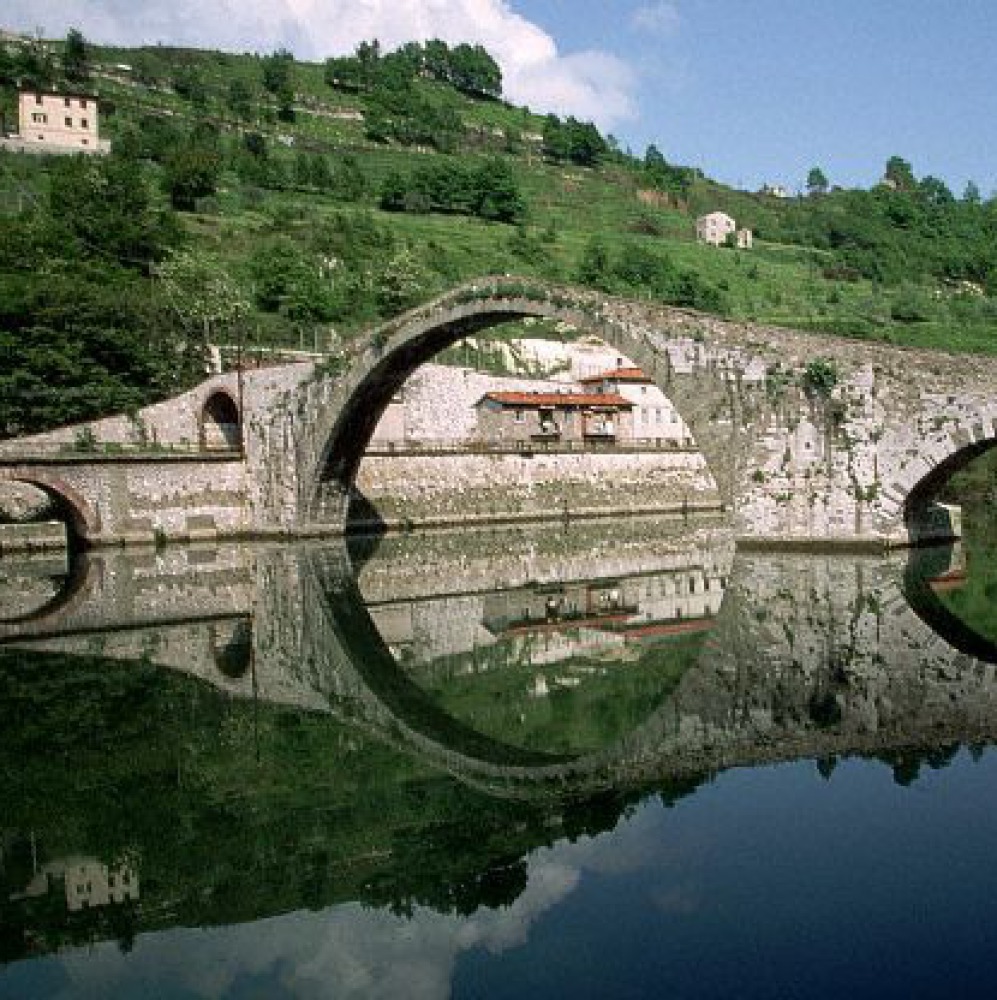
[(505, 417), (611, 619), (87, 883), (58, 123)]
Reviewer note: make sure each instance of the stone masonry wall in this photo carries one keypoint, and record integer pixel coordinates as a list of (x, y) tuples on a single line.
[(410, 489)]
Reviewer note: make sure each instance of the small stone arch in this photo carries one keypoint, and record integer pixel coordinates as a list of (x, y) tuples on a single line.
[(232, 647), (220, 424), (82, 519)]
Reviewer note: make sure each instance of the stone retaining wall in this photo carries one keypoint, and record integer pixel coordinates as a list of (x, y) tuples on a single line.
[(436, 489)]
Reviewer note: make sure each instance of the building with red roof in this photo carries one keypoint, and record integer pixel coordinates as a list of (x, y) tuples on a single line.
[(510, 417)]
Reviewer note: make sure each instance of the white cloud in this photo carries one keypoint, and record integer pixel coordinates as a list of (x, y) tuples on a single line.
[(592, 85), (347, 951), (657, 18)]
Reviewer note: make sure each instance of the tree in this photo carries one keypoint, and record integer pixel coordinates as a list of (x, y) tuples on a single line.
[(402, 283), (277, 71), (594, 268), (203, 295), (654, 160), (75, 62), (899, 174), (497, 195), (240, 99), (104, 210), (935, 191), (971, 194), (817, 181), (191, 172)]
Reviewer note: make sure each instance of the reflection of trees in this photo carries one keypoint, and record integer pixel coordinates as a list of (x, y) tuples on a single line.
[(232, 813)]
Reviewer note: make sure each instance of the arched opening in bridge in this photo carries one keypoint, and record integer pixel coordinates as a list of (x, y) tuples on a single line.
[(481, 418), (48, 502), (221, 424), (953, 586), (232, 647), (571, 667), (932, 510)]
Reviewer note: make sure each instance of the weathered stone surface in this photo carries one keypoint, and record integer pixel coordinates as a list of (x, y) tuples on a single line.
[(21, 502), (851, 464)]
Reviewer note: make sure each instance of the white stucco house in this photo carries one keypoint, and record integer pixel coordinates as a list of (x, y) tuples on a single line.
[(716, 227)]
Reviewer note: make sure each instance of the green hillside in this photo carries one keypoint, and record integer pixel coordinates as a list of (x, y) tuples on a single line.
[(291, 204)]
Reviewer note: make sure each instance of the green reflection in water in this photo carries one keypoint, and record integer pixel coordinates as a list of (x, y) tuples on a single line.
[(574, 705), (224, 811), (972, 595)]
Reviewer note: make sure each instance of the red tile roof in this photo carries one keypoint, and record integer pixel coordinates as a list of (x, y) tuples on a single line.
[(619, 375), (563, 400)]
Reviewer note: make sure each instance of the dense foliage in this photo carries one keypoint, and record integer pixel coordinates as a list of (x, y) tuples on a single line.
[(489, 191), (468, 68), (83, 331)]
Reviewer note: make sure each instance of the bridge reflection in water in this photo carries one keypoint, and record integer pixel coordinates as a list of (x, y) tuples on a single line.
[(558, 674)]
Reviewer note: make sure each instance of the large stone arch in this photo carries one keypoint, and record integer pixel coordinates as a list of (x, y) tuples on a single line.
[(82, 519), (705, 397)]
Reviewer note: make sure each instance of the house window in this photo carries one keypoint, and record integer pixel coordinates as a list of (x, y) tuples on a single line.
[(518, 416), (39, 118), (69, 123), (67, 102), (85, 142), (84, 123), (38, 98), (83, 102)]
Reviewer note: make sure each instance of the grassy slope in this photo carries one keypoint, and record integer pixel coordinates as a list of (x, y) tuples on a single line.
[(771, 283)]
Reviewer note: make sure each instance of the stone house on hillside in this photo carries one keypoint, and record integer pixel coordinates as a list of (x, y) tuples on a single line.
[(716, 227), (57, 123)]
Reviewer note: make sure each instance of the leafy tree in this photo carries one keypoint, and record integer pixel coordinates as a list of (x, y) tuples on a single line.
[(497, 195), (817, 181), (899, 174), (402, 283), (83, 344), (189, 84), (474, 71), (971, 194), (349, 182), (205, 298), (276, 71), (34, 66), (654, 159), (935, 191), (287, 281), (191, 172), (75, 59), (240, 99), (595, 268), (572, 140), (103, 209)]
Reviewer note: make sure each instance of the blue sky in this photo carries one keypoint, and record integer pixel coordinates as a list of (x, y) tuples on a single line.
[(752, 91), (756, 90)]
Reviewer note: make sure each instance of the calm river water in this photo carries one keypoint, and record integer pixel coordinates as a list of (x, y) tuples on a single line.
[(601, 760)]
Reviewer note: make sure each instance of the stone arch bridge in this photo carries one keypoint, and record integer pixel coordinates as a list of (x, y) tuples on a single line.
[(809, 438)]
